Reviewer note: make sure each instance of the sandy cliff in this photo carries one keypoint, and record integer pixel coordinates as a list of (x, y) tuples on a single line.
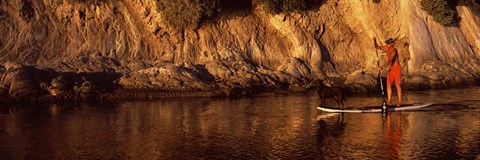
[(241, 51)]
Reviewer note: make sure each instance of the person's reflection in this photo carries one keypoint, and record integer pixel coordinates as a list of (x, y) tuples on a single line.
[(393, 133)]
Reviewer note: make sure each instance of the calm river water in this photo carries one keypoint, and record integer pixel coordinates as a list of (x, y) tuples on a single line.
[(275, 127)]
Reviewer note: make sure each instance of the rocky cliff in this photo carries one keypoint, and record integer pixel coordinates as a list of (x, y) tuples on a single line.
[(239, 52)]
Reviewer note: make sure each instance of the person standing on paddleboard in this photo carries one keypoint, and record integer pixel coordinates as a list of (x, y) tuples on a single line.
[(394, 69)]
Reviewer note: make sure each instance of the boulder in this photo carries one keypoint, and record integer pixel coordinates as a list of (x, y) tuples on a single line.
[(18, 82)]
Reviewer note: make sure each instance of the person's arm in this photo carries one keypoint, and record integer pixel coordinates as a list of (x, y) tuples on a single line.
[(376, 45), (390, 61), (386, 64)]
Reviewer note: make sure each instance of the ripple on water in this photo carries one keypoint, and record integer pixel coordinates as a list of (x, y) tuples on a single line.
[(287, 127)]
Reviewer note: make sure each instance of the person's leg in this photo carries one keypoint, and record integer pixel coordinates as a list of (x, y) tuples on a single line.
[(397, 78), (389, 94), (399, 92), (389, 88)]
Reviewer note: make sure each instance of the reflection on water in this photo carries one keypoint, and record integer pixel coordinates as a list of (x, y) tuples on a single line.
[(285, 127)]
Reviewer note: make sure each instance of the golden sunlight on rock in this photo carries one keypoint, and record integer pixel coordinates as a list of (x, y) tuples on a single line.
[(253, 49)]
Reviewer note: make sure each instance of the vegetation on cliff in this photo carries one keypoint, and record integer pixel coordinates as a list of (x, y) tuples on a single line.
[(474, 5), (189, 14), (442, 11), (282, 6), (94, 2)]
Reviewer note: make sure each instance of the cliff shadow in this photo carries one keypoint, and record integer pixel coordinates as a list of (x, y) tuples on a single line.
[(106, 81), (326, 59), (25, 84), (232, 9), (314, 4)]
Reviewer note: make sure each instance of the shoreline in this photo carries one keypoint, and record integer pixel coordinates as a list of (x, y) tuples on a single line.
[(128, 95), (27, 84)]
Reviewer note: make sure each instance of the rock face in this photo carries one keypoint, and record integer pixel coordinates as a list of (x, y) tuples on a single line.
[(239, 52), (17, 83)]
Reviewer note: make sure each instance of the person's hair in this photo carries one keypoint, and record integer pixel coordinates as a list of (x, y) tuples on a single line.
[(389, 40)]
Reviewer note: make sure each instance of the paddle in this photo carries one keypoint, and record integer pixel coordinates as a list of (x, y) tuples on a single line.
[(384, 104)]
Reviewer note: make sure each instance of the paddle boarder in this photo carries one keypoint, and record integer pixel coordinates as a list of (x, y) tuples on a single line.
[(394, 69)]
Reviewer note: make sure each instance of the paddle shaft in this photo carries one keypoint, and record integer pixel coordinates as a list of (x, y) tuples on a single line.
[(379, 75)]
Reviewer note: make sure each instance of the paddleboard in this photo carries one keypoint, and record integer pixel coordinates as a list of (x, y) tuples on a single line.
[(376, 109)]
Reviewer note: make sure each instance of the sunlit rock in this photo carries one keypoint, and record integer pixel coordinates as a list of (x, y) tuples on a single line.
[(237, 52), (58, 86)]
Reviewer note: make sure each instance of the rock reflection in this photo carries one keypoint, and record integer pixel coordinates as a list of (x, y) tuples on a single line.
[(8, 109)]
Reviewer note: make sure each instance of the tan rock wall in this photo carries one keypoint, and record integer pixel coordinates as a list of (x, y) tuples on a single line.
[(331, 40)]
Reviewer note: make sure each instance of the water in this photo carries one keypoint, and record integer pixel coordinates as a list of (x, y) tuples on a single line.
[(277, 127)]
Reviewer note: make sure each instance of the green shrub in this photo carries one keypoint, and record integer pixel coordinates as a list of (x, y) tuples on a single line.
[(440, 11), (94, 2), (474, 5), (293, 5), (281, 6), (88, 2), (272, 6), (187, 14)]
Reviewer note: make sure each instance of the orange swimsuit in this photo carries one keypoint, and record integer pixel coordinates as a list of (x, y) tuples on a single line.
[(395, 71)]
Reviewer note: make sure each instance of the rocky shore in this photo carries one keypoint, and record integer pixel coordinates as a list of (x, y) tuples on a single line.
[(27, 84)]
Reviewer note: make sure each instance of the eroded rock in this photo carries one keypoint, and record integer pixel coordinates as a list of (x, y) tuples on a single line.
[(17, 83), (121, 45)]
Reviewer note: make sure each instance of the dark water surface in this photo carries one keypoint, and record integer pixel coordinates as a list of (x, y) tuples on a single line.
[(277, 127)]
